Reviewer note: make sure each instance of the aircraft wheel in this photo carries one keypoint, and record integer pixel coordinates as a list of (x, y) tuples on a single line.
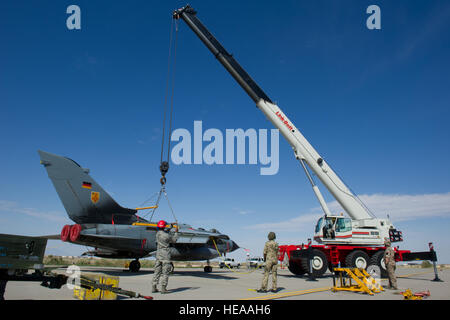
[(135, 265), (207, 269)]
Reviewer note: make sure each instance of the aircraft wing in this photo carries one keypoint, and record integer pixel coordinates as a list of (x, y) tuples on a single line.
[(107, 236), (190, 235), (51, 237), (192, 238), (98, 236)]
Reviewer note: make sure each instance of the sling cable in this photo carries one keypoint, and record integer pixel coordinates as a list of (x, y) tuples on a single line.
[(168, 104)]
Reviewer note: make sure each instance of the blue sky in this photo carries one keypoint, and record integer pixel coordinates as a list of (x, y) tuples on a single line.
[(374, 104)]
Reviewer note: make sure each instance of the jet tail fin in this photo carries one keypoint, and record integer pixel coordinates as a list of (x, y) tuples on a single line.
[(83, 198)]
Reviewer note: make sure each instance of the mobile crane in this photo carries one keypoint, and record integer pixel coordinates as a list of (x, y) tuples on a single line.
[(354, 241)]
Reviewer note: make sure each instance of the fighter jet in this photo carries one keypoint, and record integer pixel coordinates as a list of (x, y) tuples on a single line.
[(115, 231)]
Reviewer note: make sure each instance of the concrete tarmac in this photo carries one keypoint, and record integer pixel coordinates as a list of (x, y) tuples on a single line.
[(238, 284)]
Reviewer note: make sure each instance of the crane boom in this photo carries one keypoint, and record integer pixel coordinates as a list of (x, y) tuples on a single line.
[(303, 150)]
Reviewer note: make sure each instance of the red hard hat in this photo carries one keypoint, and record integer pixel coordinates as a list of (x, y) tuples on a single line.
[(161, 224)]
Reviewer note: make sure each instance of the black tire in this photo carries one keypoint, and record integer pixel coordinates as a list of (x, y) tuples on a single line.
[(207, 269), (377, 260), (357, 259), (296, 268), (320, 263), (135, 265)]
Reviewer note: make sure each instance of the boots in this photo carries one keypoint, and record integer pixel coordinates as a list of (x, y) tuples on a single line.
[(164, 290), (154, 288)]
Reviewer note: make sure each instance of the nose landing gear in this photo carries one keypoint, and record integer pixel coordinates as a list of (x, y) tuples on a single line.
[(207, 268), (135, 265)]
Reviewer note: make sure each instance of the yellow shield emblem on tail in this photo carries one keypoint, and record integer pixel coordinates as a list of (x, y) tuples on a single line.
[(95, 196)]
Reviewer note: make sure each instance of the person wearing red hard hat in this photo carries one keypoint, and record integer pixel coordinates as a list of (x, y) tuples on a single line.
[(163, 266), (161, 224)]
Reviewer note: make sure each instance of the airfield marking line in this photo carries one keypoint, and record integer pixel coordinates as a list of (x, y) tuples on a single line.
[(414, 274), (297, 293), (287, 294), (294, 293)]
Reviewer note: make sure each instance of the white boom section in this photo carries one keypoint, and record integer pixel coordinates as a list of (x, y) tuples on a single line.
[(365, 229), (304, 150)]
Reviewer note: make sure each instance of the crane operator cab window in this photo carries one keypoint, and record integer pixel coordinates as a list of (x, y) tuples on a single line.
[(318, 225), (329, 228), (343, 225)]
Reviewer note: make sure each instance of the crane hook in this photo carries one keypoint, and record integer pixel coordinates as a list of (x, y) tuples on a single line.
[(163, 168)]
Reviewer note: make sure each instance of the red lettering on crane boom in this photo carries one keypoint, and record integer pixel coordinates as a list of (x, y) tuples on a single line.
[(285, 122)]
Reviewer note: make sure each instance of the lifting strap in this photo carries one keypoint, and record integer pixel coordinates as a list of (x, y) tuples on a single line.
[(161, 192), (170, 82)]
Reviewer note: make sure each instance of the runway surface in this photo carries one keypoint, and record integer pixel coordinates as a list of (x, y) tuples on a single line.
[(225, 284)]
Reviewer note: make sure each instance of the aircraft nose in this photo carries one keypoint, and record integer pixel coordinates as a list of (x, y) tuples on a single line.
[(234, 246)]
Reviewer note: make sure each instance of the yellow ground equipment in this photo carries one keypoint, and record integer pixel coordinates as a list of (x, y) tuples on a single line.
[(90, 290), (101, 287), (364, 282), (409, 295)]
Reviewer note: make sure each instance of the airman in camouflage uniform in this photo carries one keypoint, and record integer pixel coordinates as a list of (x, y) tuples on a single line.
[(163, 264), (271, 259), (389, 261)]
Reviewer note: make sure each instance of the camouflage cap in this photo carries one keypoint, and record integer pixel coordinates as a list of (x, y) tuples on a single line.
[(271, 236)]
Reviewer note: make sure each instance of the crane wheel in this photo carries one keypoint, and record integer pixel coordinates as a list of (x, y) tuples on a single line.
[(377, 260), (357, 259), (296, 268), (319, 263)]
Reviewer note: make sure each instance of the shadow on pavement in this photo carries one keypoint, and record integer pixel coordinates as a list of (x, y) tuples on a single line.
[(182, 289), (202, 274)]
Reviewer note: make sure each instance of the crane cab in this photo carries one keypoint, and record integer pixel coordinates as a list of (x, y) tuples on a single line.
[(338, 229), (333, 229)]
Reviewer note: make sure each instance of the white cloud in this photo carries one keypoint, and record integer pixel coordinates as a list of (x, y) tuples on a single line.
[(302, 222), (399, 207), (243, 211), (409, 207), (10, 207)]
